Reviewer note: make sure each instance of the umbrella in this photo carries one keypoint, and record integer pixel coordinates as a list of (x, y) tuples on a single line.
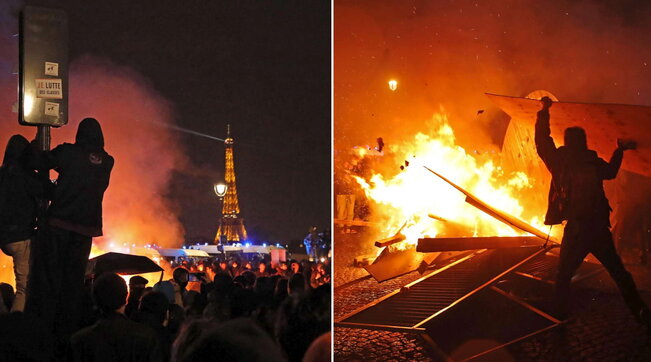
[(119, 263)]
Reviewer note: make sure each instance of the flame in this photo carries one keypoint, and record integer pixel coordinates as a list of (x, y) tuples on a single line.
[(416, 204)]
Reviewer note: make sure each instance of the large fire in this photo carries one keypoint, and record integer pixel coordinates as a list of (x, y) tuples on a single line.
[(416, 203)]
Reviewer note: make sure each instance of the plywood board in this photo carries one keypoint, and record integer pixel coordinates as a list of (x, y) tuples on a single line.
[(603, 123), (393, 263)]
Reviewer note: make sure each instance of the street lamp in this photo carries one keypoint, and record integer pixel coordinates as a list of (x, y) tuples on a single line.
[(393, 85), (220, 189)]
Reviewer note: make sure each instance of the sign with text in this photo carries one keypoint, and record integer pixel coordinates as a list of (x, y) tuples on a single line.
[(43, 95), (49, 88)]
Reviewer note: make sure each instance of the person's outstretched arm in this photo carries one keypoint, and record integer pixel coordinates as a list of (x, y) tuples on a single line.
[(610, 169), (544, 142)]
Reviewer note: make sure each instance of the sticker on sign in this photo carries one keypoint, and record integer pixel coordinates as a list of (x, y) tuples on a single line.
[(49, 88), (52, 68), (51, 109)]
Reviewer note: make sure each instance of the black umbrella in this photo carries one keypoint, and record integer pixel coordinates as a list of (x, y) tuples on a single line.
[(119, 263)]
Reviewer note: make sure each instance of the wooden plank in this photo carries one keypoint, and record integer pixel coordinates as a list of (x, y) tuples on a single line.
[(498, 214), (603, 123), (390, 241), (428, 245)]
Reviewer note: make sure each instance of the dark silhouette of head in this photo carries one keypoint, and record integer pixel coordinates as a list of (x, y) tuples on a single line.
[(181, 276), (250, 278), (575, 138), (296, 267), (235, 340), (296, 284), (300, 320), (194, 304), (89, 135), (109, 292), (7, 295), (15, 149), (319, 350), (281, 288), (137, 282), (156, 305), (223, 265)]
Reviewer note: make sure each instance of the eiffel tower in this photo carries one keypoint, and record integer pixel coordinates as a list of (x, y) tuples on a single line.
[(231, 226)]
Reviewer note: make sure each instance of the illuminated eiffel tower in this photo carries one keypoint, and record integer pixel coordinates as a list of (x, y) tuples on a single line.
[(231, 226)]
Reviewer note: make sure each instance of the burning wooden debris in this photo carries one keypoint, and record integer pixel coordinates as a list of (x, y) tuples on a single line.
[(391, 264)]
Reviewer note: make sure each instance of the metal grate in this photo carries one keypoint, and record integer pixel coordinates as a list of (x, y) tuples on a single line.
[(428, 296)]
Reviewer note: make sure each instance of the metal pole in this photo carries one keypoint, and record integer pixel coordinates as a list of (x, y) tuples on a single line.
[(43, 139)]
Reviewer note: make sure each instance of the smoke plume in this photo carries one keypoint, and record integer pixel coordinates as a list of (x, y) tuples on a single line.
[(450, 52)]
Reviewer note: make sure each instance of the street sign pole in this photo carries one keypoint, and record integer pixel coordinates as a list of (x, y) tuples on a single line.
[(42, 102), (43, 137), (43, 85)]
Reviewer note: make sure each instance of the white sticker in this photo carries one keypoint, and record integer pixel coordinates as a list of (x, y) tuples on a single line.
[(52, 109), (49, 88), (52, 69)]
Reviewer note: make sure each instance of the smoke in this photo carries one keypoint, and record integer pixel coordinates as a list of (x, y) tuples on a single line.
[(450, 52), (136, 209)]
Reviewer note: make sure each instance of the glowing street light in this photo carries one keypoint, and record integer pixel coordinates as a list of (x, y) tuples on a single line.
[(220, 189), (393, 85)]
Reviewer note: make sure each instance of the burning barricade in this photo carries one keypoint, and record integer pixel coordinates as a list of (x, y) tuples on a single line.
[(443, 197)]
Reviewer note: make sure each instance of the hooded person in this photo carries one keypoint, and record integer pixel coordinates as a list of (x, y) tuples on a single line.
[(74, 217), (19, 189), (577, 196)]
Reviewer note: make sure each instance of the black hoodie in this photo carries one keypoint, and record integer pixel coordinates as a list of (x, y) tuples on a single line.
[(576, 191), (84, 169), (19, 189)]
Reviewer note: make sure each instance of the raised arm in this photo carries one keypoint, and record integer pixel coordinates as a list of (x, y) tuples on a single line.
[(544, 142)]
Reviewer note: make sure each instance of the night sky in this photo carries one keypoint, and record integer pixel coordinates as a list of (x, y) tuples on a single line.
[(263, 67)]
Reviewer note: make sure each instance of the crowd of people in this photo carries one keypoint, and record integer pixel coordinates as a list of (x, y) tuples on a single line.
[(214, 310), (316, 273), (224, 312)]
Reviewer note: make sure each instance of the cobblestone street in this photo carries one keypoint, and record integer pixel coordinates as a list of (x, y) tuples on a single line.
[(600, 326)]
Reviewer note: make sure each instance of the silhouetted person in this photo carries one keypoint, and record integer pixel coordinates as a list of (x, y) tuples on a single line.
[(194, 304), (280, 293), (295, 267), (296, 284), (153, 312), (19, 189), (24, 337), (74, 218), (114, 337), (235, 340), (577, 196), (137, 286), (311, 243), (301, 319), (262, 270), (320, 350)]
